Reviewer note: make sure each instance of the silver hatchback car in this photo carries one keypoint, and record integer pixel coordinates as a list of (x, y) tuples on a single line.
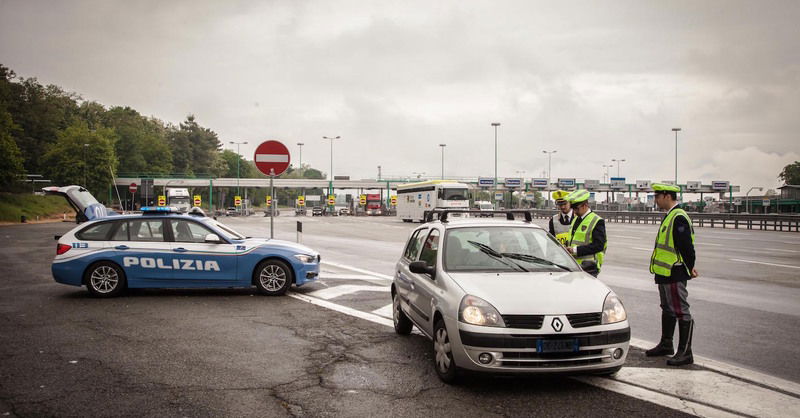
[(502, 295)]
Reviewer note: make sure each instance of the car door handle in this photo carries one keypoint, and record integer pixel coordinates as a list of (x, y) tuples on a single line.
[(180, 249), (122, 247)]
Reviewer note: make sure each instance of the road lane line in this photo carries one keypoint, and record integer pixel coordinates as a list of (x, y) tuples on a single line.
[(783, 251), (385, 311), (343, 309), (623, 236), (346, 289), (708, 243), (358, 270), (768, 264)]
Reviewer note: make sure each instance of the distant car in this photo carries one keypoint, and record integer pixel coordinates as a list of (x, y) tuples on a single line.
[(300, 211), (504, 296), (164, 249), (231, 211), (268, 212), (484, 206), (317, 211), (344, 212)]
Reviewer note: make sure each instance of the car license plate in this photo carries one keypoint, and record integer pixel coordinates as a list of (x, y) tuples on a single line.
[(557, 346)]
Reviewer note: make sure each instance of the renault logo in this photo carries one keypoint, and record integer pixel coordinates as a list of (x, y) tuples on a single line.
[(557, 324)]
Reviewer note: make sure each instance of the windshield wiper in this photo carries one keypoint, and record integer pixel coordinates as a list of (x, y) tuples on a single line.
[(535, 259), (496, 255)]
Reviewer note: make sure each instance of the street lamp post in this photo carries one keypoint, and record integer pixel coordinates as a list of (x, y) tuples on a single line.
[(495, 124), (330, 176), (619, 163), (676, 130), (605, 174), (238, 157), (549, 167), (747, 197), (300, 144), (442, 145), (521, 173)]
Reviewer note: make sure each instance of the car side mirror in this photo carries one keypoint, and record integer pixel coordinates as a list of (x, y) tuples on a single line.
[(590, 267), (212, 239), (421, 267)]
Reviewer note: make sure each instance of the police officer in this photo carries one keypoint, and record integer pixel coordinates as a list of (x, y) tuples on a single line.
[(588, 236), (672, 263), (561, 223)]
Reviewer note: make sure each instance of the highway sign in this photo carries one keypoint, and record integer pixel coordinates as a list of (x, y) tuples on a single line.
[(133, 187), (237, 201), (394, 200), (485, 182), (331, 199), (720, 185), (362, 199), (617, 182), (498, 196), (301, 200), (530, 196), (566, 183), (692, 185), (268, 201), (197, 200), (642, 184), (162, 200), (591, 184), (513, 182), (272, 157), (765, 202), (539, 182)]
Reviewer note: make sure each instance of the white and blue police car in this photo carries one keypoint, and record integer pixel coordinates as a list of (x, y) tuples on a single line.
[(162, 248)]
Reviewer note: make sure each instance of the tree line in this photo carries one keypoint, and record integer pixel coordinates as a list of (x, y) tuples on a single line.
[(45, 130)]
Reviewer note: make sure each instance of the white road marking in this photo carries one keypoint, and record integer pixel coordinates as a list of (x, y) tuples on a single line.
[(768, 264), (346, 289), (783, 251), (385, 311), (624, 236), (343, 309), (348, 276), (708, 243), (358, 270), (641, 248)]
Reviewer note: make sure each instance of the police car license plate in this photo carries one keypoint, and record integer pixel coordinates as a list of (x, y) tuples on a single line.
[(558, 346)]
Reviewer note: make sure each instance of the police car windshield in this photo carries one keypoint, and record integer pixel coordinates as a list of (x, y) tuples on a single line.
[(228, 230), (504, 248)]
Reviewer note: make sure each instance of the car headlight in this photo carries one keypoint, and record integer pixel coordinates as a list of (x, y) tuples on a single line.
[(476, 311), (304, 258), (613, 311)]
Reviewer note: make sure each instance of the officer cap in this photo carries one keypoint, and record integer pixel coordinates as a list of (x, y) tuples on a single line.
[(578, 196), (661, 187), (560, 195)]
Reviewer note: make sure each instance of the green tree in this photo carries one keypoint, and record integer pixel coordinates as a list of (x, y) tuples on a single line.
[(141, 144), (195, 150), (82, 156), (11, 163), (791, 173)]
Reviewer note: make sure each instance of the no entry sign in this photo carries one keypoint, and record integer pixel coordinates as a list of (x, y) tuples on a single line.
[(272, 156), (132, 188)]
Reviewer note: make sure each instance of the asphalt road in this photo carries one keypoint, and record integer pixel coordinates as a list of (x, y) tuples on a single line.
[(232, 352)]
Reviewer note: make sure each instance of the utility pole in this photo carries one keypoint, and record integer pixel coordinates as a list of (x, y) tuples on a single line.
[(495, 124)]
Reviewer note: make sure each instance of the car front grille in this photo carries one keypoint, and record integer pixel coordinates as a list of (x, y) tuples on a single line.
[(584, 319), (523, 321)]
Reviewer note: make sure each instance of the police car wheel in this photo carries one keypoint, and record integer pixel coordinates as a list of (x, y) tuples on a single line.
[(273, 277), (105, 280), (402, 325)]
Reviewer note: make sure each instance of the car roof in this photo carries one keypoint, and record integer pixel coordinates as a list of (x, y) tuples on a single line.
[(480, 222)]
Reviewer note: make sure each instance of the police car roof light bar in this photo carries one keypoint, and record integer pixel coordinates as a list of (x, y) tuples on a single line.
[(159, 209), (429, 217)]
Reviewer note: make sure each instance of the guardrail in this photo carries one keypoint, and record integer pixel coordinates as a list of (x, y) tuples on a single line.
[(790, 223)]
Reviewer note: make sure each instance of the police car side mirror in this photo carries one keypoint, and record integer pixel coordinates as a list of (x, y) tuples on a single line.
[(212, 239), (590, 267)]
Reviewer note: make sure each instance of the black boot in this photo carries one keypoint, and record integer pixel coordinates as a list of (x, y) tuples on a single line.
[(684, 355), (664, 348)]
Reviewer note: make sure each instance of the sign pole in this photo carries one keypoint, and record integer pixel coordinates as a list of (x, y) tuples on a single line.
[(272, 206)]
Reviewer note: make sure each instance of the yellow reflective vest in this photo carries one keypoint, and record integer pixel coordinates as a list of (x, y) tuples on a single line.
[(563, 232), (665, 256), (583, 236)]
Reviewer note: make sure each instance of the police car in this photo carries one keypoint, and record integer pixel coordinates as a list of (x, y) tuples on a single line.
[(502, 295), (162, 248)]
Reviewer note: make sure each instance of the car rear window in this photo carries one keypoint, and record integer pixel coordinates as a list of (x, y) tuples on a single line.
[(96, 232)]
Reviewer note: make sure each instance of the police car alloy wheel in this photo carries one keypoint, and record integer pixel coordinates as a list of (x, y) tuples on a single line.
[(402, 325), (443, 353), (273, 277), (105, 279)]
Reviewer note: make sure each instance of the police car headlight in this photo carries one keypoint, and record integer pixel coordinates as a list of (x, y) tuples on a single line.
[(613, 311), (307, 259), (476, 311)]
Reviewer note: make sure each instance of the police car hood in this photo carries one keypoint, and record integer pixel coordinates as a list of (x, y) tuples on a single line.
[(290, 246), (543, 293)]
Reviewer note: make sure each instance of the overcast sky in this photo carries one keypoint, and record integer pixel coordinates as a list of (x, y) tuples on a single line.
[(593, 80)]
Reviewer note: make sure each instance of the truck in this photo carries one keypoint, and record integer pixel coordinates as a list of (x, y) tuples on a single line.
[(415, 200), (374, 204), (179, 198)]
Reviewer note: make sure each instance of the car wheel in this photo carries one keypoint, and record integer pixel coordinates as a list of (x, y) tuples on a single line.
[(273, 277), (443, 353), (402, 325), (104, 279)]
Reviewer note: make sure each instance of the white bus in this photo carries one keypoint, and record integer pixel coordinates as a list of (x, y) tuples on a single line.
[(414, 200)]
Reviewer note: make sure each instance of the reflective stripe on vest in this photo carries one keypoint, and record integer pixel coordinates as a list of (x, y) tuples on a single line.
[(583, 236), (665, 256), (563, 232)]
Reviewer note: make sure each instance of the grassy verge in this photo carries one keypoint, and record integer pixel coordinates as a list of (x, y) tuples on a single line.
[(14, 205)]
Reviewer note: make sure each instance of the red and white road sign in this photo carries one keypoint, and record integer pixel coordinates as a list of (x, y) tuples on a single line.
[(133, 187), (272, 156)]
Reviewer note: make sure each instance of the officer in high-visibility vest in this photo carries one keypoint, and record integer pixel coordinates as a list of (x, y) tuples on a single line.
[(588, 236), (561, 223), (672, 263)]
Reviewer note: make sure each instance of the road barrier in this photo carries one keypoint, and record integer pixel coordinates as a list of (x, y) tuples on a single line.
[(771, 222)]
